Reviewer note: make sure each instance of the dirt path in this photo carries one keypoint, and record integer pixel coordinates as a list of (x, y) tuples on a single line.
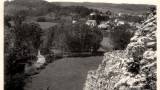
[(64, 74)]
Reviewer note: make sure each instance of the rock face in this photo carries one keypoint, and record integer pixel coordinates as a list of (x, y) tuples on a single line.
[(132, 69), (108, 73), (141, 53)]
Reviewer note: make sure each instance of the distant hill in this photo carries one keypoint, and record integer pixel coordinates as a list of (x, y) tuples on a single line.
[(31, 6), (40, 7), (124, 8)]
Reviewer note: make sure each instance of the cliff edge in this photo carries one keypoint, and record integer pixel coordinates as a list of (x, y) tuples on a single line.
[(131, 69)]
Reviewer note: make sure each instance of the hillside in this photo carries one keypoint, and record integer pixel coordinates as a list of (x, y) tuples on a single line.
[(132, 69), (123, 8), (33, 6)]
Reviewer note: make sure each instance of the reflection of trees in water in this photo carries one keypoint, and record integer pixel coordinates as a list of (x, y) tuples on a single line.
[(75, 38)]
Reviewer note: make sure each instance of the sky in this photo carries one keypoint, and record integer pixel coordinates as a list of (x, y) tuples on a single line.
[(153, 2)]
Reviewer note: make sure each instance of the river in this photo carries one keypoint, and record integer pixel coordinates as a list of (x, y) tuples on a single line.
[(64, 74)]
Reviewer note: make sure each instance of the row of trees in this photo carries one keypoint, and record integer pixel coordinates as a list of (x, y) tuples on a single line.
[(73, 38), (21, 44), (131, 18), (120, 36), (83, 38)]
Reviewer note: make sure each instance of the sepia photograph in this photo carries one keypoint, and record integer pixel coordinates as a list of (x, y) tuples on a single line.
[(80, 45)]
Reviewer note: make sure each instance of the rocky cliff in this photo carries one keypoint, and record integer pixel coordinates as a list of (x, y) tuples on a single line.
[(133, 68)]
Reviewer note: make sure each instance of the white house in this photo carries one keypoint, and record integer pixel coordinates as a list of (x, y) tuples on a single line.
[(119, 22), (91, 23), (74, 21), (104, 25), (93, 14)]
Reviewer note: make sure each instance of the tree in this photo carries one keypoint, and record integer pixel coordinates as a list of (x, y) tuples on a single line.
[(21, 46), (75, 38), (121, 35), (83, 38)]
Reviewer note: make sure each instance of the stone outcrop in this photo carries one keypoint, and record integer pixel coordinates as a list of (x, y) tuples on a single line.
[(141, 59), (108, 73), (132, 69)]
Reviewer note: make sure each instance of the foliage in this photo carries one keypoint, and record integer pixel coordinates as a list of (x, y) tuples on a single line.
[(79, 10), (121, 35), (132, 18), (21, 45), (133, 67), (6, 21), (74, 38), (41, 8), (15, 82), (47, 40), (82, 38), (41, 19), (29, 35)]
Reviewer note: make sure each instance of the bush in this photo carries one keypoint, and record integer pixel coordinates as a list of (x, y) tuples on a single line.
[(15, 82), (121, 35), (41, 19), (130, 18), (21, 46), (6, 20), (47, 40), (75, 38), (133, 67), (83, 38)]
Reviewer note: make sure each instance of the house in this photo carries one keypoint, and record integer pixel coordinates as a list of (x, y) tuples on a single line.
[(119, 14), (119, 22), (92, 16), (74, 21), (104, 25), (91, 23)]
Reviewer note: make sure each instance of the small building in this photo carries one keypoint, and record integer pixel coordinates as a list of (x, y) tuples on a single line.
[(74, 21), (91, 23), (119, 22), (104, 25), (119, 14), (92, 16)]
